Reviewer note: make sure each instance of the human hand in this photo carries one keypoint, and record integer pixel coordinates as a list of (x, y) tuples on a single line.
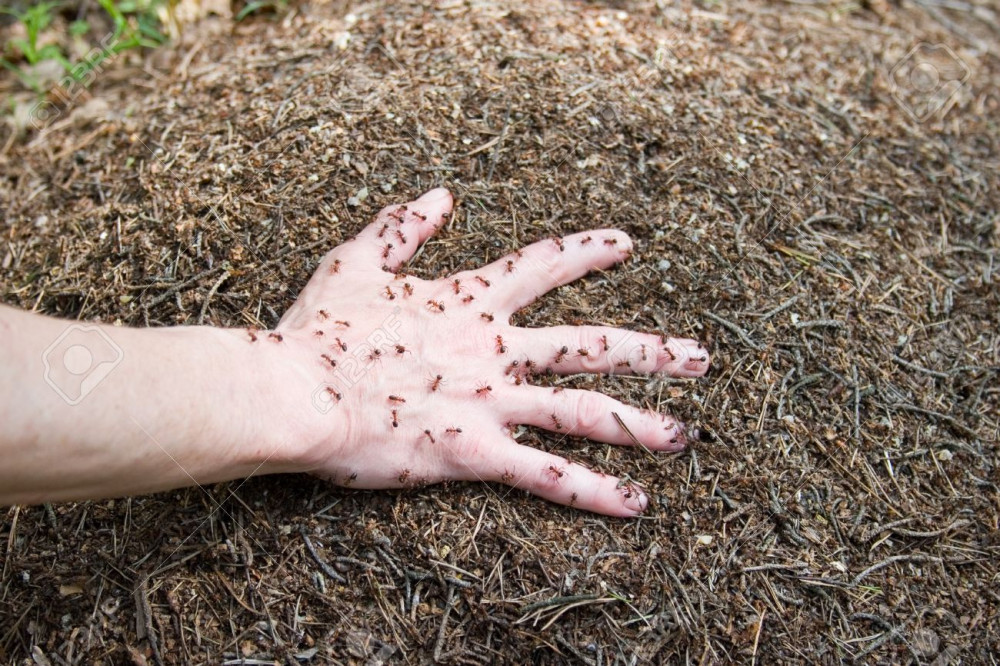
[(419, 381)]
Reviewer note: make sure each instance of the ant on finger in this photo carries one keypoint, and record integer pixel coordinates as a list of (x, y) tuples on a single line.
[(555, 473)]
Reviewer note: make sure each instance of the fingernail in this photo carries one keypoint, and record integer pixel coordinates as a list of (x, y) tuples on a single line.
[(638, 502), (679, 438)]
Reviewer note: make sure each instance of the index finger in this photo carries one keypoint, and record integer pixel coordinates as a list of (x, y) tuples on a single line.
[(519, 279)]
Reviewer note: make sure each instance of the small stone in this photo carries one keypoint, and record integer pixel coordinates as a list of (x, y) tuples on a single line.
[(358, 197), (926, 642)]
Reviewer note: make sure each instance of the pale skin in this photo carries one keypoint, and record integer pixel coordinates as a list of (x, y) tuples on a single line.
[(372, 379)]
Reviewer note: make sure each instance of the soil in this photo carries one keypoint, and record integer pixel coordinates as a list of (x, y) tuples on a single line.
[(803, 197)]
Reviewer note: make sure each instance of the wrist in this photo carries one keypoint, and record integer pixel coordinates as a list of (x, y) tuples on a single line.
[(275, 403)]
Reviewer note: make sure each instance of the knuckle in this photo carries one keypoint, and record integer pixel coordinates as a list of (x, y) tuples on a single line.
[(547, 259), (589, 411)]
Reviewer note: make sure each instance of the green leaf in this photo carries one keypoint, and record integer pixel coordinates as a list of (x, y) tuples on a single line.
[(253, 6), (79, 28)]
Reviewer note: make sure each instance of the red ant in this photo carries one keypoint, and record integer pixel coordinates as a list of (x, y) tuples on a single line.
[(430, 436), (518, 380), (468, 298), (501, 348), (387, 250), (556, 422), (528, 365), (511, 368), (624, 364), (375, 355), (610, 241), (454, 431), (604, 342), (561, 354), (420, 216), (408, 289), (456, 284), (396, 398), (341, 344), (318, 333), (323, 315), (555, 473), (585, 240), (398, 213), (335, 267), (558, 389), (343, 324), (333, 392), (642, 348), (488, 316), (510, 266), (395, 419), (277, 337), (403, 476), (584, 352), (350, 479), (507, 477), (483, 390), (400, 236), (390, 294), (381, 232), (436, 383), (329, 360), (483, 281), (252, 332), (436, 306), (573, 498), (559, 243), (400, 349)]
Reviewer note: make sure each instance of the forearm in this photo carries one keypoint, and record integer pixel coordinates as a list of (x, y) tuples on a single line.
[(114, 411)]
